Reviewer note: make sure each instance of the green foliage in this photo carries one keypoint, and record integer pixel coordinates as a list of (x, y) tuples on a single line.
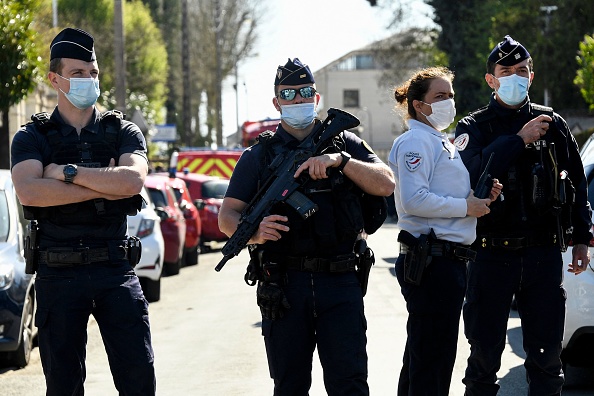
[(585, 74), (19, 54)]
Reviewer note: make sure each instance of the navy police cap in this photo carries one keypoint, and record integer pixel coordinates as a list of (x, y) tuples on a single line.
[(74, 44), (293, 73), (508, 52)]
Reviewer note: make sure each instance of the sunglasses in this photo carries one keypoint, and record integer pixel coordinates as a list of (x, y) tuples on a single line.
[(289, 93)]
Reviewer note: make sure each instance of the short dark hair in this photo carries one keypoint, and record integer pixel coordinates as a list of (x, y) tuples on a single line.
[(56, 65)]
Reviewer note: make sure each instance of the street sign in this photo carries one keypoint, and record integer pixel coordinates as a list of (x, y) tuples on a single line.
[(165, 133)]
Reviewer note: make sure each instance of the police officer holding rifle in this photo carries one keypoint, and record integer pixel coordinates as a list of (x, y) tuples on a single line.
[(306, 265)]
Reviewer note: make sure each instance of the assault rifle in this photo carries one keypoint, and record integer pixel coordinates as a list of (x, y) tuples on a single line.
[(485, 182), (281, 186)]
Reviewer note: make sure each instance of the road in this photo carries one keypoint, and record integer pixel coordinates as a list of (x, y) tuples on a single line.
[(206, 337)]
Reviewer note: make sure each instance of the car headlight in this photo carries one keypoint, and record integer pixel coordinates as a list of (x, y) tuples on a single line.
[(6, 275)]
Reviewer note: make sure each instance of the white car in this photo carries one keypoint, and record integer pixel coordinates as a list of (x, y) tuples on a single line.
[(578, 341), (146, 226)]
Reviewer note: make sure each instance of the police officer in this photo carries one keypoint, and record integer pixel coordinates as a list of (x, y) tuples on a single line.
[(308, 291), (78, 174), (437, 214), (519, 243)]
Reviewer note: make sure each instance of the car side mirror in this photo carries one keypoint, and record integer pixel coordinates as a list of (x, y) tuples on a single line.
[(199, 203), (163, 215)]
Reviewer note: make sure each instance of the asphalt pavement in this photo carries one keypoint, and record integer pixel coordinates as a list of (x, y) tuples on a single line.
[(207, 338)]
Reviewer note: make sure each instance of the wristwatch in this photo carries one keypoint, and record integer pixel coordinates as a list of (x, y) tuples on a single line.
[(70, 171), (345, 158)]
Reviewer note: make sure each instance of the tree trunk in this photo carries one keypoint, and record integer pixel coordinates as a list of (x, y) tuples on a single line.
[(4, 141)]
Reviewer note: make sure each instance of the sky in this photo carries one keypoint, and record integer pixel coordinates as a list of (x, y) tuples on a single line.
[(315, 31)]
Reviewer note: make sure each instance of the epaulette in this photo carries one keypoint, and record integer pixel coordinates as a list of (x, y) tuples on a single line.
[(112, 113), (263, 136), (42, 121), (483, 114)]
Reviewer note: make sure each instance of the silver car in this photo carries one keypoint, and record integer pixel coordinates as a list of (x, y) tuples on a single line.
[(17, 291)]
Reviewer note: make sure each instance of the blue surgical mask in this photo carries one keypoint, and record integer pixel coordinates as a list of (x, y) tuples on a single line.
[(513, 89), (83, 92), (298, 116)]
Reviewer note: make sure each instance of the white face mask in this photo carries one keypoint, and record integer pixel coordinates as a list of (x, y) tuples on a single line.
[(442, 113), (298, 116)]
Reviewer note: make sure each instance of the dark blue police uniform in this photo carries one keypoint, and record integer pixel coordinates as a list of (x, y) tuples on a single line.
[(518, 244), (95, 278), (326, 306)]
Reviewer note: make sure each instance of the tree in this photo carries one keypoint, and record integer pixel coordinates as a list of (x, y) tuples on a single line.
[(19, 61), (224, 33), (585, 74)]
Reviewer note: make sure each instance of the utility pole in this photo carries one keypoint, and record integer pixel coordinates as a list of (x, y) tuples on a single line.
[(218, 86), (548, 10), (120, 62), (55, 13), (187, 89)]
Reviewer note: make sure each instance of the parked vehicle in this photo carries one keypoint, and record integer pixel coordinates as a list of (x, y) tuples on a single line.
[(17, 292), (193, 221), (173, 224), (208, 193), (146, 225), (578, 342)]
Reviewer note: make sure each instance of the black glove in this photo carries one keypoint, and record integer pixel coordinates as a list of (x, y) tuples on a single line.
[(271, 300)]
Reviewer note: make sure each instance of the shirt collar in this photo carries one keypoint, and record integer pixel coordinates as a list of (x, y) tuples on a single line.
[(65, 129), (507, 112)]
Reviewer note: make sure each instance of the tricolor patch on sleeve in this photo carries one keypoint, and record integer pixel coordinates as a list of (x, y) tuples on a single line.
[(412, 160), (461, 141)]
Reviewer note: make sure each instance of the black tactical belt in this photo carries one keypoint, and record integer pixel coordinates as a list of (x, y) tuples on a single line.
[(451, 250), (319, 264), (515, 243), (68, 257)]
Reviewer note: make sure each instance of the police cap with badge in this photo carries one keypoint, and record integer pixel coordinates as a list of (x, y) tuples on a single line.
[(73, 44), (293, 73), (508, 52)]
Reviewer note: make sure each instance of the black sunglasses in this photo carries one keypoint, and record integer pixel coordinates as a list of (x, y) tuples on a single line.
[(289, 93)]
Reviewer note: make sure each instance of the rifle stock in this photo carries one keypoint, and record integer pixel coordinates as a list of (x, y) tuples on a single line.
[(281, 186)]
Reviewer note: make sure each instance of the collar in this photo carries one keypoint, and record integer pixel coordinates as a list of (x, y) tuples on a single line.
[(65, 129), (507, 112), (414, 124), (289, 139)]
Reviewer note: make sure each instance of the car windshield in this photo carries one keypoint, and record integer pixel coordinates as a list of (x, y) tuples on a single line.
[(158, 197), (4, 217), (215, 189)]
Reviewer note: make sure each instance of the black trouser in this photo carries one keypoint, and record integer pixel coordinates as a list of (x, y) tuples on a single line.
[(326, 312), (534, 275), (434, 309)]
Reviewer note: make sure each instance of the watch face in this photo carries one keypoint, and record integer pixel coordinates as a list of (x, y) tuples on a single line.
[(69, 172)]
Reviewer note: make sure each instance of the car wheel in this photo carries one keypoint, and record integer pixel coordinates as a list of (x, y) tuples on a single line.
[(151, 288), (172, 268), (191, 256), (21, 356)]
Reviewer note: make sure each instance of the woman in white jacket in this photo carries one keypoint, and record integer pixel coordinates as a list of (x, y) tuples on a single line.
[(437, 214)]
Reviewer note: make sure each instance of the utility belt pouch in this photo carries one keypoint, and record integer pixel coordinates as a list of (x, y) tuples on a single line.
[(134, 250), (31, 248), (253, 272), (418, 256), (365, 261)]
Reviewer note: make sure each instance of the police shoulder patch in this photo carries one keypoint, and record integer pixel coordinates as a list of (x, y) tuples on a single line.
[(412, 160), (461, 141), (367, 147)]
